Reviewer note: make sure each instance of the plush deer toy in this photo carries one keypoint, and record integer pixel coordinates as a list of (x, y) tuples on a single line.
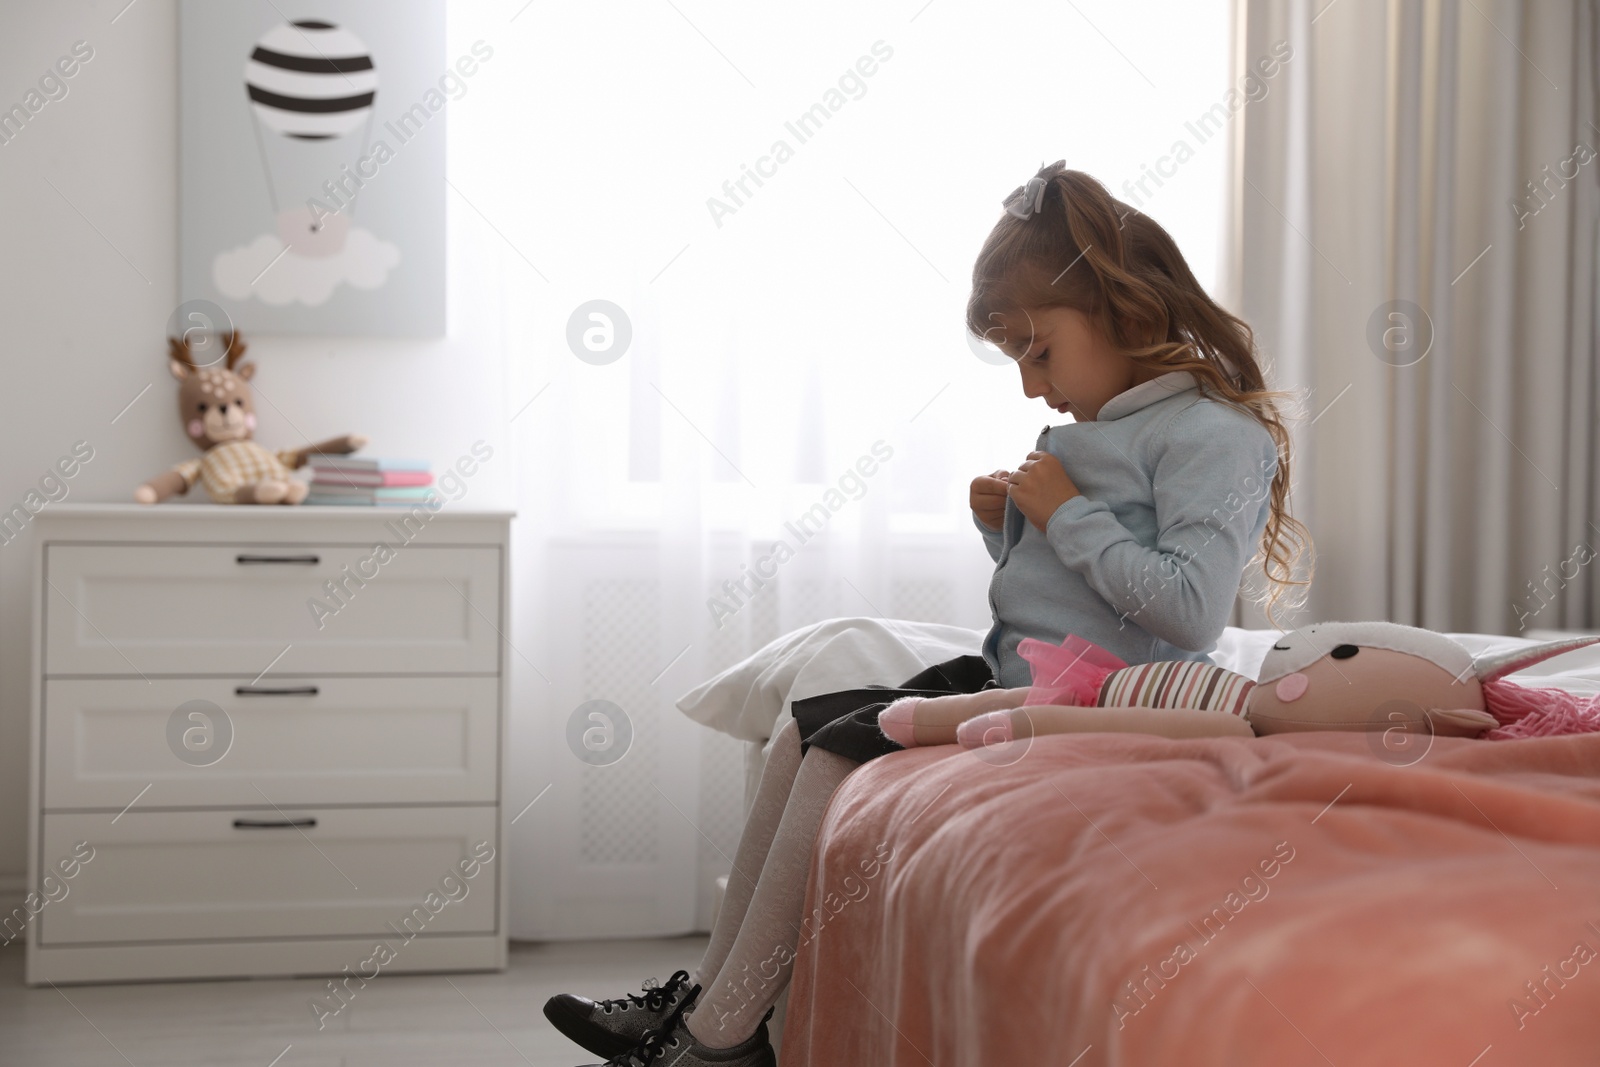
[(219, 416), (1364, 676)]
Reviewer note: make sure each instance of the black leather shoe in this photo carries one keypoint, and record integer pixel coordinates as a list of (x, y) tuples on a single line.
[(674, 1046), (612, 1027)]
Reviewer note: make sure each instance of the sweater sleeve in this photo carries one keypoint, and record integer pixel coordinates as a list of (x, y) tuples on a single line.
[(991, 538), (1213, 476)]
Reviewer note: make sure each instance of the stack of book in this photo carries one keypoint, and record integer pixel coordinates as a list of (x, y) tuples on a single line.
[(372, 482)]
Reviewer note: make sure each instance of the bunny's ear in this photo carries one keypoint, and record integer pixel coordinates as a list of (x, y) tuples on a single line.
[(1489, 668)]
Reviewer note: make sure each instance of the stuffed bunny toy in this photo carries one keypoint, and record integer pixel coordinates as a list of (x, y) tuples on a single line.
[(1352, 676), (219, 416)]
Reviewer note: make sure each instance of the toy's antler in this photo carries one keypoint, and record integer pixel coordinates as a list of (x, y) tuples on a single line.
[(180, 350), (233, 342)]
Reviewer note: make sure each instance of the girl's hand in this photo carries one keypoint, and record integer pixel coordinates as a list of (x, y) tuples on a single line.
[(1040, 486), (988, 498)]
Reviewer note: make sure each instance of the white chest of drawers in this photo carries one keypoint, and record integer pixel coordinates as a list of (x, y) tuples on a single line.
[(278, 735)]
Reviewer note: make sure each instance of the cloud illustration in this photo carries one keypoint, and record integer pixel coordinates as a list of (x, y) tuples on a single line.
[(256, 269)]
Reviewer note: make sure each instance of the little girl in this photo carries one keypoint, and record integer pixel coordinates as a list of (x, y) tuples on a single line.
[(1129, 527)]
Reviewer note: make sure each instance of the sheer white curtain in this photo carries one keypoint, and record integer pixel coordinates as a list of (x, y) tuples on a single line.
[(797, 358)]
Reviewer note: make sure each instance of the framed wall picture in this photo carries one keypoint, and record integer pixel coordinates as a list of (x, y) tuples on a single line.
[(312, 189)]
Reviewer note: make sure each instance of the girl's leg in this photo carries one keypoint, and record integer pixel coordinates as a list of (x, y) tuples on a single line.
[(772, 795), (733, 1001)]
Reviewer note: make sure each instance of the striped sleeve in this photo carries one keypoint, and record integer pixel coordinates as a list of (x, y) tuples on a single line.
[(1177, 684)]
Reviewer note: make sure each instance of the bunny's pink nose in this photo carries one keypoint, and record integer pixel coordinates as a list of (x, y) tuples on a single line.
[(1292, 687)]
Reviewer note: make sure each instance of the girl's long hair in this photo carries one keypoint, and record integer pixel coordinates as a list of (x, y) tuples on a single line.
[(1085, 250)]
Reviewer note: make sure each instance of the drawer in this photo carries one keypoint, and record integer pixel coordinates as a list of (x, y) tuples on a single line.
[(352, 741), (234, 609), (348, 872)]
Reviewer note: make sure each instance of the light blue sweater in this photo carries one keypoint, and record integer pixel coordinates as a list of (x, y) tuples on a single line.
[(1148, 561)]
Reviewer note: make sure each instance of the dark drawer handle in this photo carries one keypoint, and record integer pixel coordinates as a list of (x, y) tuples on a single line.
[(309, 561), (275, 691), (274, 824)]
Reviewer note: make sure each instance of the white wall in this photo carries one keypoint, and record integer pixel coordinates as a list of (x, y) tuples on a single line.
[(84, 333)]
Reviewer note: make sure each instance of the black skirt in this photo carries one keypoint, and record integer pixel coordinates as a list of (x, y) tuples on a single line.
[(846, 722)]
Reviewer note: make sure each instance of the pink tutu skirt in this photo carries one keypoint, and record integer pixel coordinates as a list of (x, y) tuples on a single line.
[(1070, 673)]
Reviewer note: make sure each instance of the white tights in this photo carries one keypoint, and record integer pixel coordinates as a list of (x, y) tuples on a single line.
[(752, 949)]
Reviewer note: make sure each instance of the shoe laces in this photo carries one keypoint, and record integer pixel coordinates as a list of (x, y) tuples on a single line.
[(655, 995), (654, 1044)]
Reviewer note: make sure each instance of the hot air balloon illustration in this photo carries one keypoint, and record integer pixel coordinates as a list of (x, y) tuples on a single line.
[(311, 80), (311, 86)]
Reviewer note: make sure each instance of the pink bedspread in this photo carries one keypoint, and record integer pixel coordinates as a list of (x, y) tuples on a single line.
[(1116, 899)]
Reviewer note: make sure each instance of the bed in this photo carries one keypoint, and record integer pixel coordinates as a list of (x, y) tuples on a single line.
[(1112, 899)]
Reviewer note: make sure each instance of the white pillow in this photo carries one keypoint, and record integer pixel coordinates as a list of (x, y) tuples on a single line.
[(748, 698), (1242, 651)]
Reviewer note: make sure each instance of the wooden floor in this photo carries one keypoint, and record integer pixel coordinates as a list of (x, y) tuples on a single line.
[(396, 1020)]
